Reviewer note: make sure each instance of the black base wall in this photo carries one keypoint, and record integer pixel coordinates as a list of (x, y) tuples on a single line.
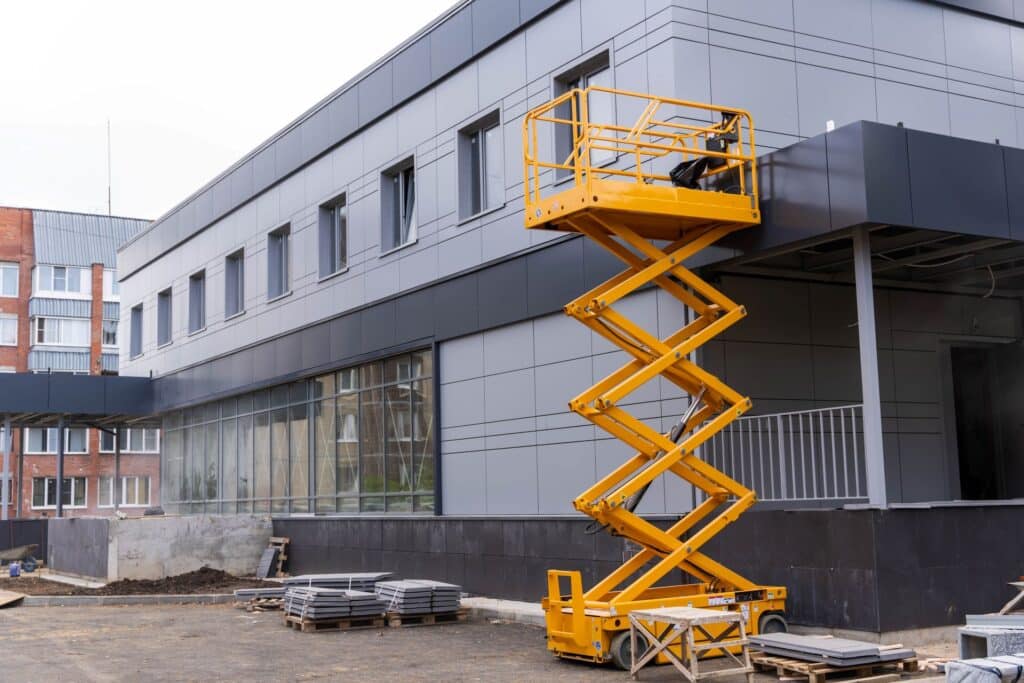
[(867, 570), (17, 532)]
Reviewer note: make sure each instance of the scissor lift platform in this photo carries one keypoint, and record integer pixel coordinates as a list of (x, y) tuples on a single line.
[(654, 193)]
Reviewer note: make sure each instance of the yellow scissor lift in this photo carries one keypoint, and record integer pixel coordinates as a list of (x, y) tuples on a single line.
[(654, 193)]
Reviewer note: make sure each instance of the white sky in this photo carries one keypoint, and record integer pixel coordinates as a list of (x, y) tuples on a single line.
[(189, 87)]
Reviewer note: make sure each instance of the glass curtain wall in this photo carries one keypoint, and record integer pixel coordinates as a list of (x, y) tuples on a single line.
[(360, 440)]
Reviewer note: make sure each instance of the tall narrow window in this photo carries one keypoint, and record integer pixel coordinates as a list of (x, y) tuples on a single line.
[(8, 279), (234, 284), (8, 330), (111, 288), (163, 317), (136, 332), (197, 302), (278, 282), (110, 333), (481, 167), (600, 107), (333, 237), (398, 206)]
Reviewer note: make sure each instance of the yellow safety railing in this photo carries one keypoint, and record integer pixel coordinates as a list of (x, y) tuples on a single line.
[(660, 131)]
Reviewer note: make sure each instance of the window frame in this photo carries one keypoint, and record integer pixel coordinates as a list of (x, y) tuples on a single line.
[(135, 331), (332, 242), (8, 318), (279, 258), (16, 267), (164, 319), (579, 76), (84, 290), (110, 283), (197, 302), (473, 147), (27, 441), (71, 494), (61, 323), (234, 261), (103, 333), (108, 480), (395, 196), (128, 445)]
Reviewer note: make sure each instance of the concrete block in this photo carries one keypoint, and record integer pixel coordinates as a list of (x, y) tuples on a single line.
[(983, 641)]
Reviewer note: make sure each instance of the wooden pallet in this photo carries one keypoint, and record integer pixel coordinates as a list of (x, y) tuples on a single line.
[(281, 543), (396, 620), (819, 672), (318, 625)]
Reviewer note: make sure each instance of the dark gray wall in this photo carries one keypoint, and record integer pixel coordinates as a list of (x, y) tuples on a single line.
[(866, 570), (78, 546), (17, 532)]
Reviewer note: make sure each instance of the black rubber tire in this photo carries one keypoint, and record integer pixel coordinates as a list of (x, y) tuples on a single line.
[(772, 622), (29, 564), (620, 652)]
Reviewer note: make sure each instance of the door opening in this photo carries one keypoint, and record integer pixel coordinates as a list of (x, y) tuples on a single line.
[(979, 451)]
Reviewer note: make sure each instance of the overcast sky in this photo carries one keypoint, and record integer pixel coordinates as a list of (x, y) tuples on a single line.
[(189, 87)]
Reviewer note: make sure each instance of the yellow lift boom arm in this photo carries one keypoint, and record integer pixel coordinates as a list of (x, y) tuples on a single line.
[(654, 194)]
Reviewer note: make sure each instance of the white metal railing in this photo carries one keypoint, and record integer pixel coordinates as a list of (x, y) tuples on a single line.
[(803, 455)]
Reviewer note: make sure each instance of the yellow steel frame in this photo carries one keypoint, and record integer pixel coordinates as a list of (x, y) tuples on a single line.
[(629, 207)]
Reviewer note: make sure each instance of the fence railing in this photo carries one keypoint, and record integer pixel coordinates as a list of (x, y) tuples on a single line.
[(804, 455)]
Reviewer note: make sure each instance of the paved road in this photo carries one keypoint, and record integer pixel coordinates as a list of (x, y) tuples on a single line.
[(221, 643)]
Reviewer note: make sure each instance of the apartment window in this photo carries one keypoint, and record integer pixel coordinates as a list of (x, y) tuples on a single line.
[(133, 440), (43, 441), (111, 288), (133, 491), (481, 167), (8, 279), (62, 280), (278, 282), (600, 106), (163, 317), (333, 237), (110, 333), (197, 302), (234, 284), (44, 492), (398, 206), (136, 332), (62, 331), (8, 330)]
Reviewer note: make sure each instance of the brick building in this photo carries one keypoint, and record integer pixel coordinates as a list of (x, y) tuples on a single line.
[(59, 309)]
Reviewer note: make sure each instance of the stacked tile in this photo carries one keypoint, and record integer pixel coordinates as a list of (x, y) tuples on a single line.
[(358, 581), (259, 593), (834, 651), (317, 603), (419, 596)]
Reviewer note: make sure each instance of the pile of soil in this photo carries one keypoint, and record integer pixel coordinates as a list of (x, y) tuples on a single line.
[(203, 580)]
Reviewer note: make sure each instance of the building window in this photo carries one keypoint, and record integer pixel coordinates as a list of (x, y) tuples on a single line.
[(134, 492), (398, 206), (110, 333), (43, 441), (136, 332), (197, 302), (234, 284), (62, 280), (278, 282), (481, 167), (357, 440), (62, 331), (8, 330), (9, 279), (44, 492), (333, 237), (111, 287), (163, 317), (133, 440), (600, 107)]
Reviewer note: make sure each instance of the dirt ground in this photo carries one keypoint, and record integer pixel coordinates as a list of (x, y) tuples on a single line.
[(204, 580), (222, 643)]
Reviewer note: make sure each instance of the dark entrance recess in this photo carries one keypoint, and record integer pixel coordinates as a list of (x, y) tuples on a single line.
[(988, 390)]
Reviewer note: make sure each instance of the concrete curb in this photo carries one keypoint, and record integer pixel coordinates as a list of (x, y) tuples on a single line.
[(122, 600), (507, 610)]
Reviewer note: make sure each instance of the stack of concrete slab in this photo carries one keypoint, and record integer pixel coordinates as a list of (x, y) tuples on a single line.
[(834, 651), (1006, 668), (357, 581), (319, 604), (419, 596), (259, 593)]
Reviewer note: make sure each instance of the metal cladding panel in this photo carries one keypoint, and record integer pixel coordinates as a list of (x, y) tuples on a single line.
[(530, 9), (58, 361), (109, 362), (376, 94), (379, 327), (346, 335), (493, 20), (958, 185), (554, 276), (77, 393), (1014, 162), (316, 345), (451, 43), (415, 316), (457, 307), (62, 308), (886, 174), (24, 393), (76, 239), (503, 294), (111, 310), (128, 395), (412, 68)]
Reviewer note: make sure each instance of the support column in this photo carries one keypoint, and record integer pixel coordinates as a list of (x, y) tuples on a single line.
[(21, 474), (60, 467), (874, 454), (117, 467), (5, 496)]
